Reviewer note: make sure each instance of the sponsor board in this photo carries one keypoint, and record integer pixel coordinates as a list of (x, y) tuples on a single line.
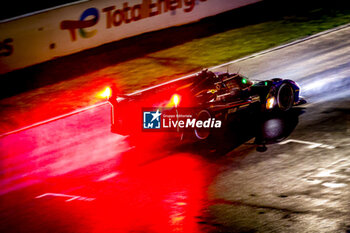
[(39, 37), (125, 13)]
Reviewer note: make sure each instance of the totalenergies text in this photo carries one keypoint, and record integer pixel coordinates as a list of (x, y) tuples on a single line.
[(125, 13)]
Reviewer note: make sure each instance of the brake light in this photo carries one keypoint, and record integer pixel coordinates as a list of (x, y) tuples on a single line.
[(176, 99), (106, 93)]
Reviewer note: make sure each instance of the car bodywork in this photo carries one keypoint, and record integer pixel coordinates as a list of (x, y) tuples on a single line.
[(219, 95)]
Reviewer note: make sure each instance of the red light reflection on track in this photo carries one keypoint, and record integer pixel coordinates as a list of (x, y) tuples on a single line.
[(68, 157), (167, 195), (58, 148)]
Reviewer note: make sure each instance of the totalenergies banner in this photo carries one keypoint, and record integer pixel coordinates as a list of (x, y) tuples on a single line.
[(40, 37)]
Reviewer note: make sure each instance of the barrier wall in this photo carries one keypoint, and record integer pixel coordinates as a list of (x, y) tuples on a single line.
[(70, 29)]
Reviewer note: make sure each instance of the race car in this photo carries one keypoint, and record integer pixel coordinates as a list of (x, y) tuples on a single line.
[(205, 95)]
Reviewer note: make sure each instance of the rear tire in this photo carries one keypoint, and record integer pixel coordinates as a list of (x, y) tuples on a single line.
[(285, 97)]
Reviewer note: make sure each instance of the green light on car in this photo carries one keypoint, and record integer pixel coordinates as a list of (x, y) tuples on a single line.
[(244, 81), (265, 83)]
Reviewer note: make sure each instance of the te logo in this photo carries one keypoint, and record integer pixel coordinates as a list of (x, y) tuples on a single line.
[(80, 24), (6, 49), (151, 120)]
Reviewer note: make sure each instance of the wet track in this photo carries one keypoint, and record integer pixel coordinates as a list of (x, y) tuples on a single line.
[(73, 175)]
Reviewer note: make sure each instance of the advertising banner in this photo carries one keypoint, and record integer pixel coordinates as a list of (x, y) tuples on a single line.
[(36, 38)]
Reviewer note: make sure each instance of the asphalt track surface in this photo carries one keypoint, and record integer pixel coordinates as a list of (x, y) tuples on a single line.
[(73, 175)]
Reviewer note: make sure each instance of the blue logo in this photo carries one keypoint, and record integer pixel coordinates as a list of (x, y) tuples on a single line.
[(151, 120)]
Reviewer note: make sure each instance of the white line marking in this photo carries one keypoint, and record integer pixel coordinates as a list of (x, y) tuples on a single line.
[(312, 145), (70, 197), (185, 77)]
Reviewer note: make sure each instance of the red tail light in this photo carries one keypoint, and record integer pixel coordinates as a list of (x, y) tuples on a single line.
[(176, 100), (106, 93)]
